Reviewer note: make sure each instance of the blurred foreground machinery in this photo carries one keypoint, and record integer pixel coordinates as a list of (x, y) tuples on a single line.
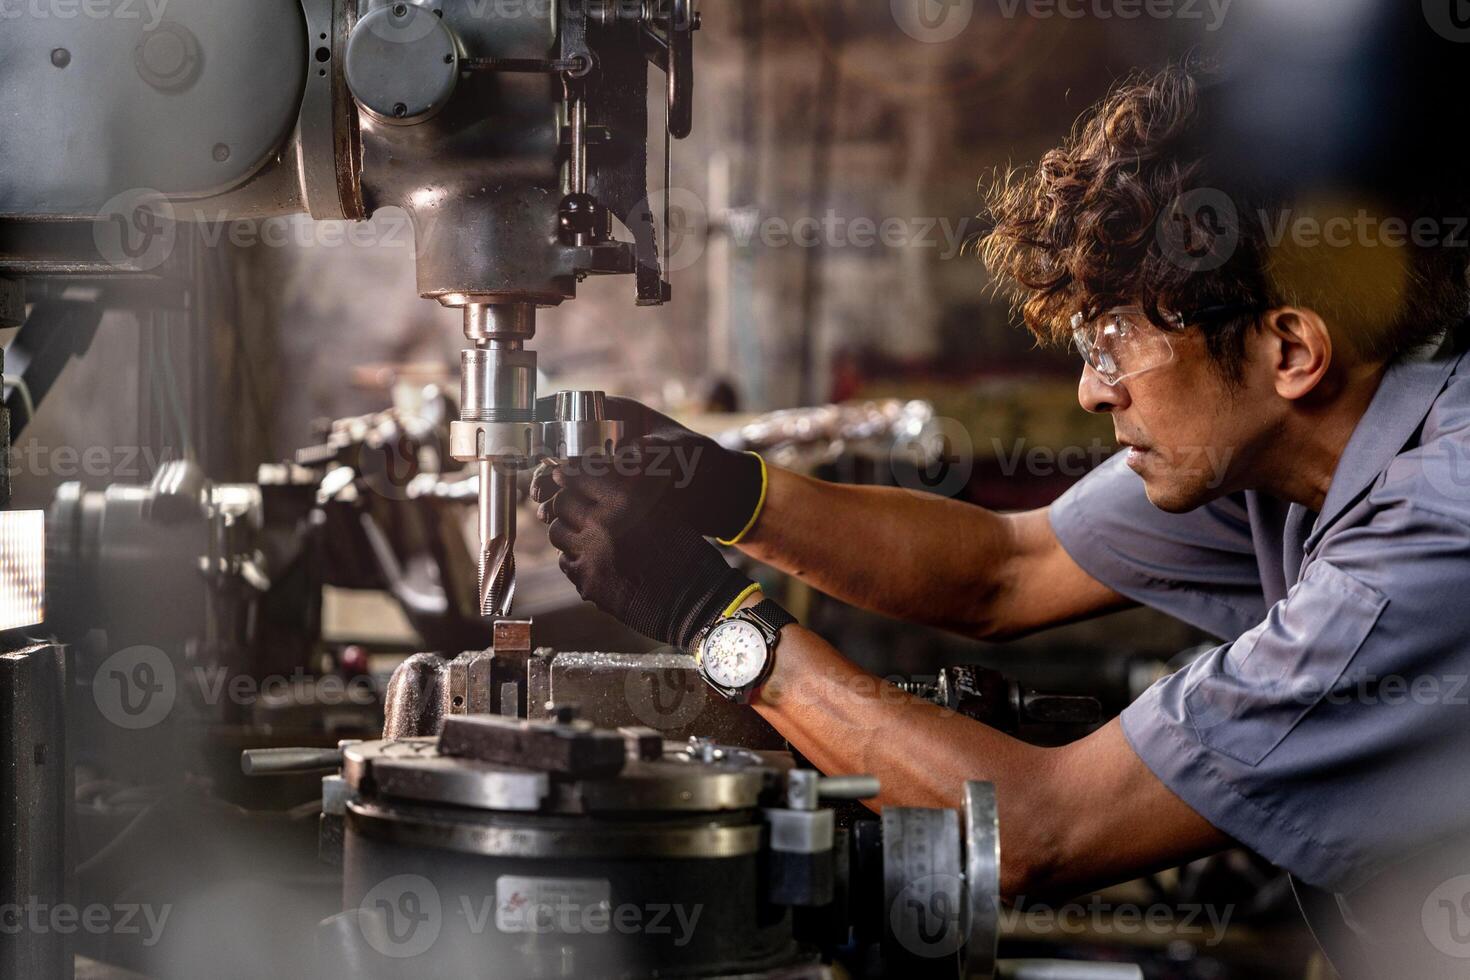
[(508, 848)]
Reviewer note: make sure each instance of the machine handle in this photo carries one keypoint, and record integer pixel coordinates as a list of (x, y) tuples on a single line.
[(1066, 970), (848, 787), (275, 762)]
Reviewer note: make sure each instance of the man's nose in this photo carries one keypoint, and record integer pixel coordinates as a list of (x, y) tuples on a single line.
[(1097, 396)]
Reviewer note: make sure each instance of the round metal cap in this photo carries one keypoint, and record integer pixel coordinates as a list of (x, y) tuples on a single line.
[(402, 63)]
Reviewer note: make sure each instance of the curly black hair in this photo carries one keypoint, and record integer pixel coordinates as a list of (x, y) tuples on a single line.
[(1128, 211)]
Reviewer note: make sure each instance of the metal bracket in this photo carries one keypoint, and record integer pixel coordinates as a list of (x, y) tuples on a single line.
[(327, 126)]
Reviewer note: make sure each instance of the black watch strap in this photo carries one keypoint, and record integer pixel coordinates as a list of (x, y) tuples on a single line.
[(770, 612)]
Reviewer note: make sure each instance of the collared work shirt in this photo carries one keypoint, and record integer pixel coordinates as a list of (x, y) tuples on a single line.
[(1331, 733)]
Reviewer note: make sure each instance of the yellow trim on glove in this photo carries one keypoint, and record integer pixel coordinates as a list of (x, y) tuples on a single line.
[(760, 505), (734, 607)]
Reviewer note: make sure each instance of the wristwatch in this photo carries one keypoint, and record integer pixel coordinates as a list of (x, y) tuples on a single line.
[(736, 654)]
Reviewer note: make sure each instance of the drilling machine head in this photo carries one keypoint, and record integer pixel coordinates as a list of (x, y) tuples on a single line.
[(513, 205), (511, 134)]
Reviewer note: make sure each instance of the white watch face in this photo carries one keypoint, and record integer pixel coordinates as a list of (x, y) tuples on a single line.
[(734, 654)]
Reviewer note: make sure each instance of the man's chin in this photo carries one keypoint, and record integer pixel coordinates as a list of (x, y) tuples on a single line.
[(1172, 498)]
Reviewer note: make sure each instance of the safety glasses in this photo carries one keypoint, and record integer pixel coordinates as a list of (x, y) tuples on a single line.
[(1123, 343)]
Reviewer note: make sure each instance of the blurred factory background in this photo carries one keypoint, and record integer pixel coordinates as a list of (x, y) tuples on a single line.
[(820, 216)]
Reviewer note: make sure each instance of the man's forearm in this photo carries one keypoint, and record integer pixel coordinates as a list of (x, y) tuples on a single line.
[(884, 549), (1071, 818), (922, 558)]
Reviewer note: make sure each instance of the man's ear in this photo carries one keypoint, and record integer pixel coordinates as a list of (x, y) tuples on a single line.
[(1298, 350)]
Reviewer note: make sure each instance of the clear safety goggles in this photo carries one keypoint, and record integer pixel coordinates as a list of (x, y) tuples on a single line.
[(1123, 343)]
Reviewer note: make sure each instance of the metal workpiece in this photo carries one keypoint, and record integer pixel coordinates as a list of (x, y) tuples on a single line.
[(414, 770), (402, 62), (572, 749), (426, 688)]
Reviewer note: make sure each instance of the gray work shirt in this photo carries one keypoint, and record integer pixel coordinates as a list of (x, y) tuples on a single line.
[(1331, 734)]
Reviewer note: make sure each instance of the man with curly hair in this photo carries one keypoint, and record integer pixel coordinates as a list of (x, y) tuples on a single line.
[(1285, 373)]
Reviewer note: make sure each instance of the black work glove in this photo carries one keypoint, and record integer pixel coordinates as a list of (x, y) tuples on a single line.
[(633, 557), (715, 490)]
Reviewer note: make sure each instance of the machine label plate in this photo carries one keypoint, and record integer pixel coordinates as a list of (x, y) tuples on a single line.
[(552, 905)]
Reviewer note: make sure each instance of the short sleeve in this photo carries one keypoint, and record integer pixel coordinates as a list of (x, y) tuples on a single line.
[(1198, 567), (1321, 738)]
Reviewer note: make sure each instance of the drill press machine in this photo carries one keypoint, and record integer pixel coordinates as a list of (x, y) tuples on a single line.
[(512, 134)]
